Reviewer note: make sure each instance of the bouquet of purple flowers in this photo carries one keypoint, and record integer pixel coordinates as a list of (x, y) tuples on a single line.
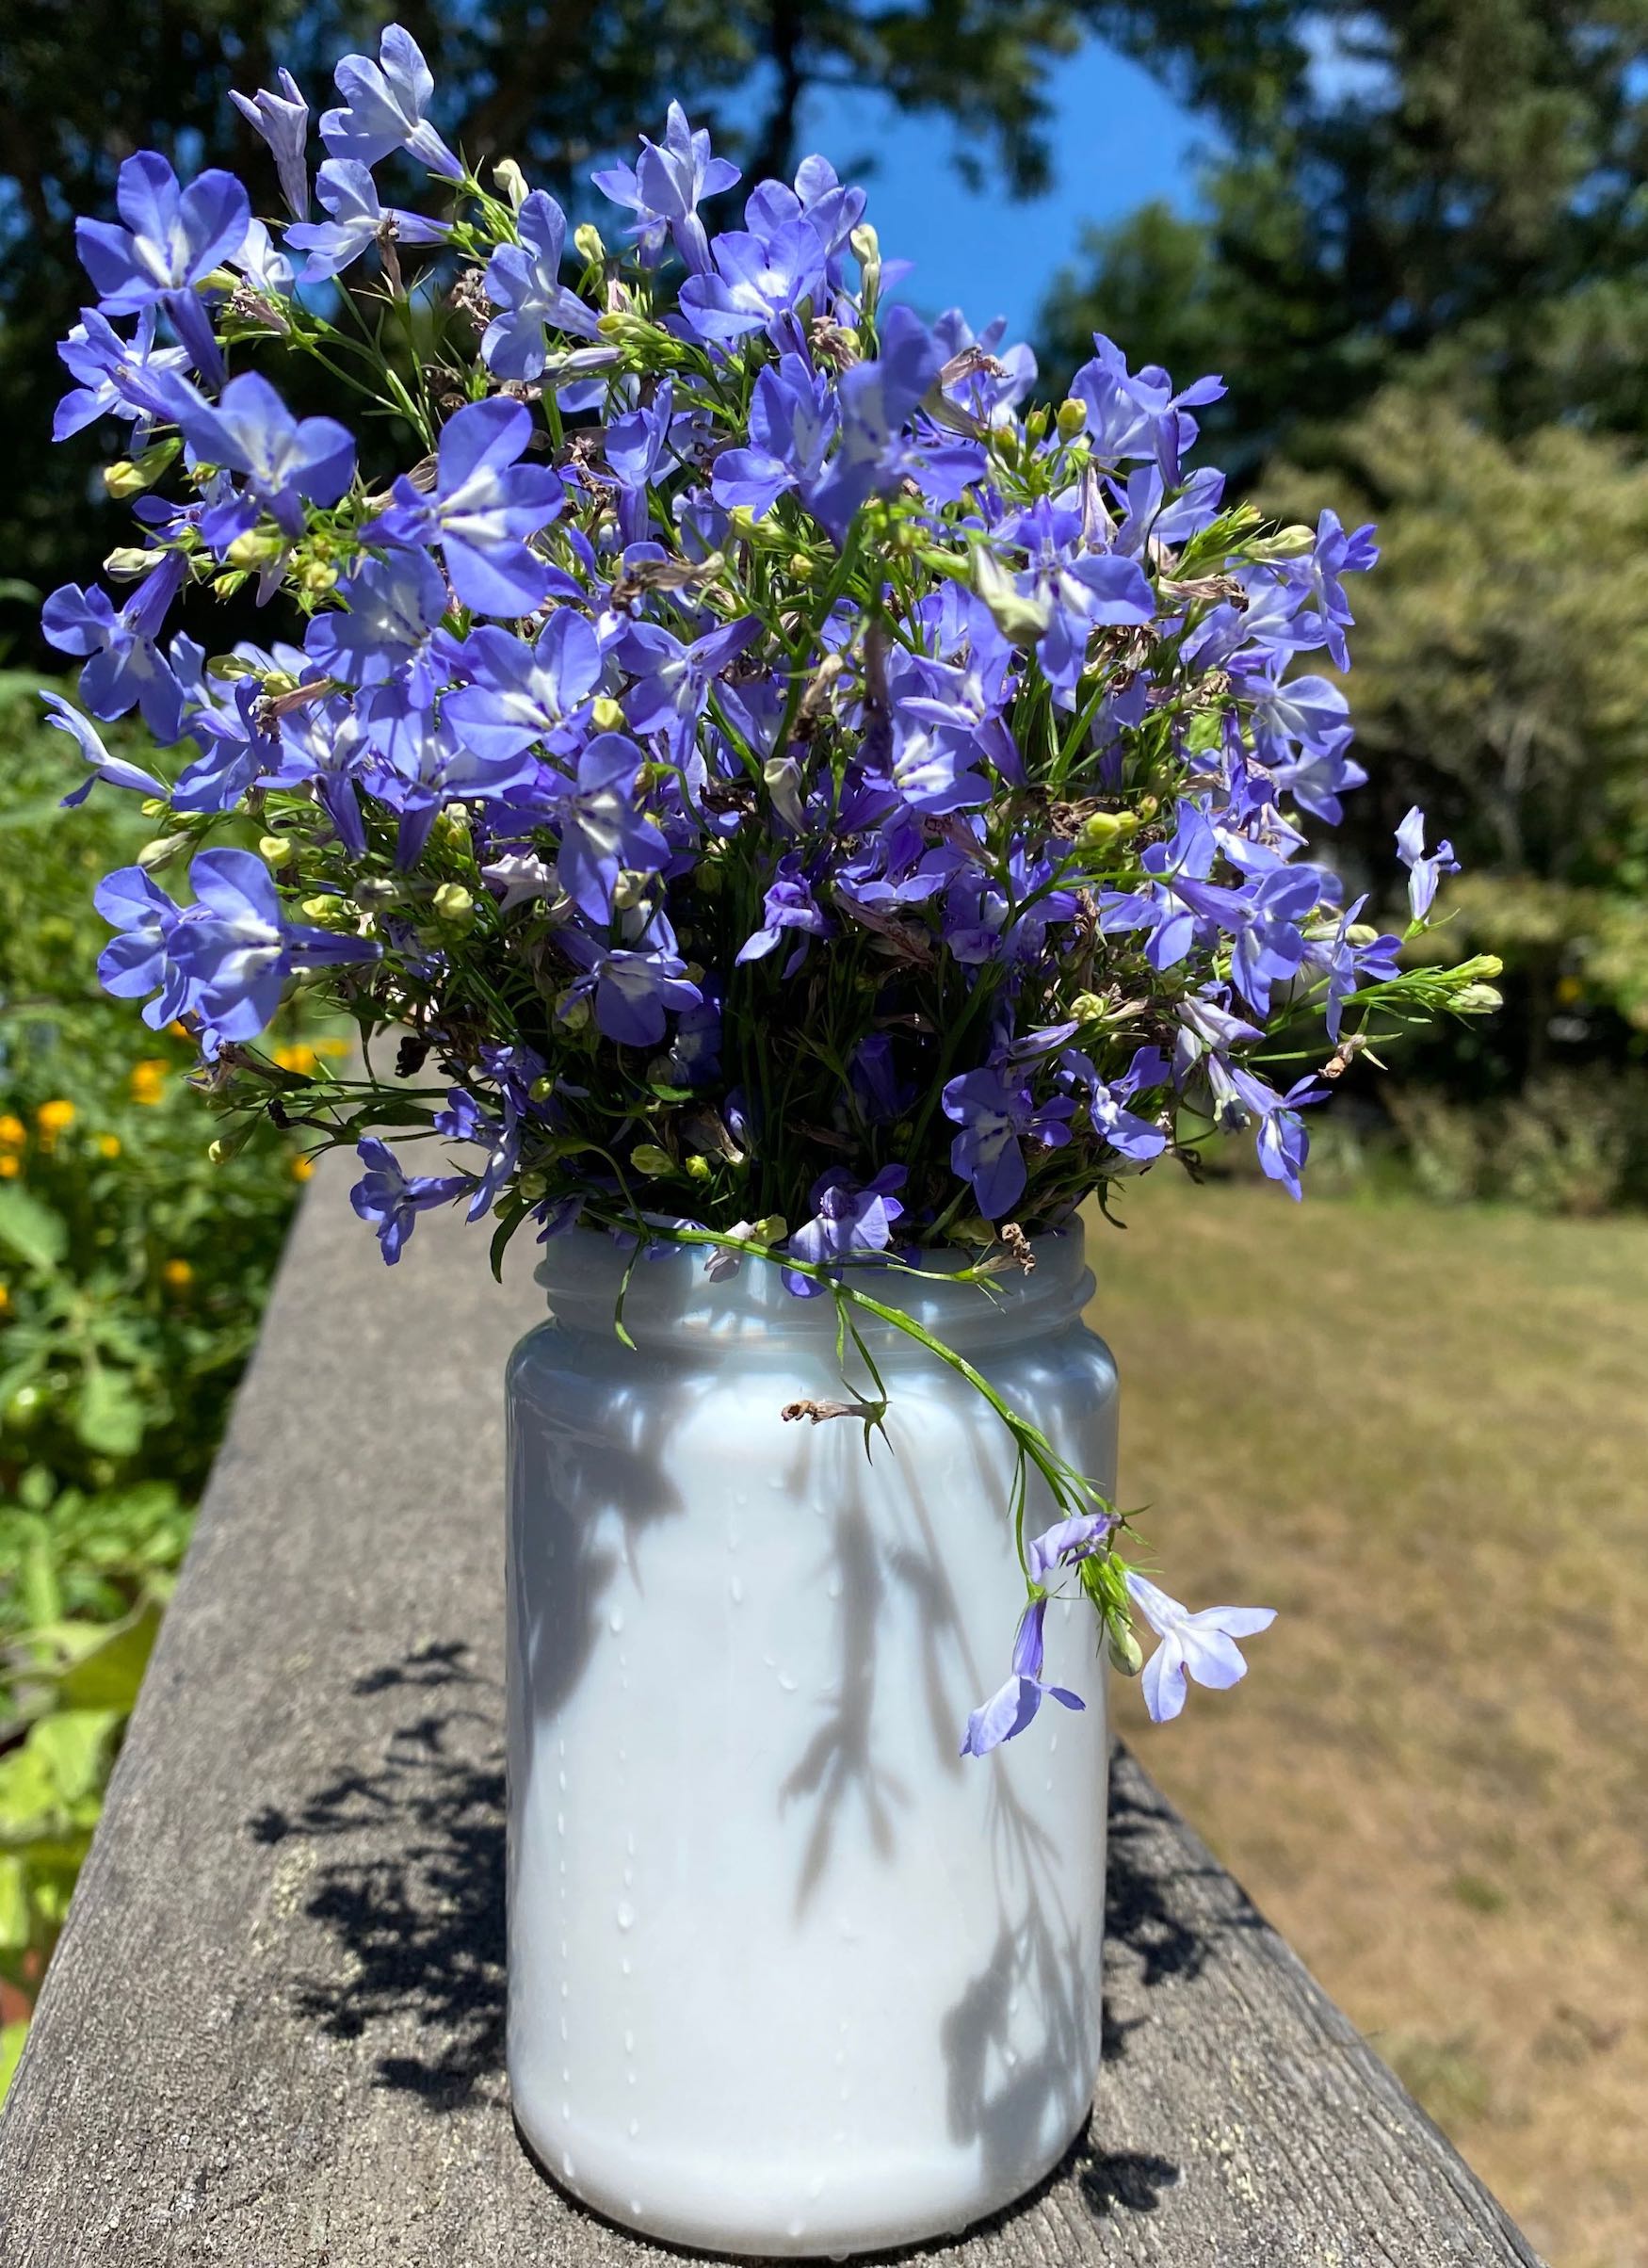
[(781, 791)]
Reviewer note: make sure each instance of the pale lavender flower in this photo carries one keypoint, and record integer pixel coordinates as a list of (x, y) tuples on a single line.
[(1200, 1647), (1424, 872), (282, 119)]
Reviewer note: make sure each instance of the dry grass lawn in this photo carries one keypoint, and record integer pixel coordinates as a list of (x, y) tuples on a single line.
[(1423, 1435)]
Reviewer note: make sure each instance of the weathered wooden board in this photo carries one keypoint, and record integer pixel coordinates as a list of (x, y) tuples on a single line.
[(273, 2034)]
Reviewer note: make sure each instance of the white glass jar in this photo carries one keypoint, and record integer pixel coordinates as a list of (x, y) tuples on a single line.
[(788, 1974)]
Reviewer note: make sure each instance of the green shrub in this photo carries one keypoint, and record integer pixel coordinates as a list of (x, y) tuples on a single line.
[(133, 1271)]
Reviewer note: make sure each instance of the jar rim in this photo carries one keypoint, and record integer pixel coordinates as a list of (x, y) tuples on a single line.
[(670, 1301)]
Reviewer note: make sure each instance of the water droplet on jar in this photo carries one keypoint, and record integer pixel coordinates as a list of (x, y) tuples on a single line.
[(629, 2043), (635, 2205), (562, 1778), (787, 1683), (797, 2227), (614, 1621), (569, 2170), (625, 1915), (624, 1966), (736, 1592), (634, 2127), (834, 1586)]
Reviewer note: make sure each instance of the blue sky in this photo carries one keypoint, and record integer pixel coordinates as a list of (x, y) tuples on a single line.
[(1118, 140)]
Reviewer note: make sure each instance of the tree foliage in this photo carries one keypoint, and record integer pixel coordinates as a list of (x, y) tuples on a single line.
[(552, 83), (1453, 189)]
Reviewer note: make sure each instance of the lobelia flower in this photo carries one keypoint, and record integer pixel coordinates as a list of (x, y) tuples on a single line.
[(484, 505), (665, 187), (238, 752), (997, 1115), (671, 680), (235, 948), (756, 284), (392, 1200), (358, 222), (519, 695), (521, 877), (875, 400), (789, 911), (848, 1218), (139, 960), (125, 669), (1200, 1647), (1123, 1130), (1076, 591), (1424, 873), (1138, 413), (282, 119), (1266, 917), (1014, 1704), (601, 829), (421, 763), (792, 422), (390, 611), (118, 378), (383, 107), (523, 279), (287, 460), (633, 988), (173, 239), (324, 746), (115, 769)]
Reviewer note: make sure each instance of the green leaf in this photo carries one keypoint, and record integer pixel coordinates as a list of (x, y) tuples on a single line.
[(11, 2039), (106, 1672), (37, 1236), (75, 1744), (111, 1414), (14, 1929)]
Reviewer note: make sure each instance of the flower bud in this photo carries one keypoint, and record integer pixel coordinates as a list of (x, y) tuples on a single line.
[(256, 550), (648, 1158), (572, 1010), (127, 561), (130, 476), (607, 715), (1087, 1008), (161, 851), (316, 578), (1101, 828), (511, 183), (1286, 543), (1020, 619), (374, 893), (533, 1185), (277, 850), (698, 1169), (1124, 1650), (1072, 417), (866, 250), (800, 567), (1478, 1001), (450, 831), (455, 906), (588, 245)]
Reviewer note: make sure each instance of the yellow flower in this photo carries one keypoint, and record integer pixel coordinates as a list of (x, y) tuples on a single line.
[(149, 1080), (177, 1275), (335, 1047), (5, 1299), (53, 1118), (303, 1168), (13, 1133), (9, 1169), (295, 1056), (109, 1145)]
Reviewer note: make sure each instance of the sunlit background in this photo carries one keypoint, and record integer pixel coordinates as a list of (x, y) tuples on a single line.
[(1413, 240)]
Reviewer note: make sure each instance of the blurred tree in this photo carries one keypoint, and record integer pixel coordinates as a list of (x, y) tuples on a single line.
[(1501, 662), (1456, 187), (550, 82)]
